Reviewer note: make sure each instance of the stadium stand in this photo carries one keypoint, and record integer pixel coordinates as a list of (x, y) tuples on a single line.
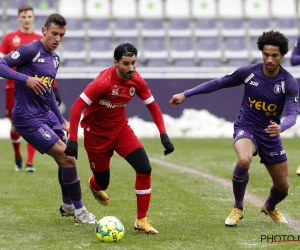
[(178, 33)]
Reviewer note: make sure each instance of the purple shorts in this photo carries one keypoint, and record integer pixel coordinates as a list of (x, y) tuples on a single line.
[(41, 133), (269, 149)]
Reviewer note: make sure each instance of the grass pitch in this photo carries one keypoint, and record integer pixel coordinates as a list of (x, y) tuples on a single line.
[(186, 208)]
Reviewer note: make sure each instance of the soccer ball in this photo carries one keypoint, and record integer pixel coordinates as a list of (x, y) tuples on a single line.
[(109, 229)]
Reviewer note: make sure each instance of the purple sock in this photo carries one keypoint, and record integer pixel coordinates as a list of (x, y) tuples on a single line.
[(239, 182), (65, 196), (71, 183), (274, 198)]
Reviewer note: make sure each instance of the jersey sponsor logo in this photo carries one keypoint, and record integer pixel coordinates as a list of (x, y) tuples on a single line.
[(48, 81), (240, 133), (16, 41), (36, 57), (283, 86), (274, 153), (41, 60), (132, 91), (277, 88), (270, 109), (15, 55), (110, 105), (55, 62), (115, 90), (249, 78), (254, 83)]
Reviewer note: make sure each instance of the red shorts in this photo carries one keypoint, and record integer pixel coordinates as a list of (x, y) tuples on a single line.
[(10, 101), (101, 148)]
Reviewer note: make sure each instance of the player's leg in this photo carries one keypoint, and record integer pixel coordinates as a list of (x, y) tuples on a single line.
[(130, 148), (277, 167), (29, 161), (245, 148), (99, 151), (14, 135)]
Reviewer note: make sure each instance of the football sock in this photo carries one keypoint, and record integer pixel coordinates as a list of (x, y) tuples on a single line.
[(100, 181), (65, 196), (239, 182), (143, 194), (30, 153), (71, 183), (16, 142), (274, 198)]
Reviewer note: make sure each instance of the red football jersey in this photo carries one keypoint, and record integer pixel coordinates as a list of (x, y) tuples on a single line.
[(12, 41), (108, 96)]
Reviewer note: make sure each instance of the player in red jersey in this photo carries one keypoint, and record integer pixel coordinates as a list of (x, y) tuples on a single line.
[(11, 42), (106, 129)]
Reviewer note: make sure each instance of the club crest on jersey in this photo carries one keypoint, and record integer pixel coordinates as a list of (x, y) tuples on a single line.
[(115, 90), (277, 88), (132, 91), (55, 62), (16, 41), (15, 55), (47, 135)]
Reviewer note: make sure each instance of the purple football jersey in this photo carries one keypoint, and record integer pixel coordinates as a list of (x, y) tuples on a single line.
[(264, 97)]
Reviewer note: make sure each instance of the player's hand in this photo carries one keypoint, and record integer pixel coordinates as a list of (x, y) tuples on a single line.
[(168, 145), (273, 129), (37, 85), (177, 99), (65, 126), (57, 96), (72, 148)]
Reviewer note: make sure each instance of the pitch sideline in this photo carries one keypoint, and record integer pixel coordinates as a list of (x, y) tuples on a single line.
[(248, 196)]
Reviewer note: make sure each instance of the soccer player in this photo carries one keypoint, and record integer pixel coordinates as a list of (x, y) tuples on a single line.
[(106, 129), (11, 42), (36, 115), (268, 88), (295, 60)]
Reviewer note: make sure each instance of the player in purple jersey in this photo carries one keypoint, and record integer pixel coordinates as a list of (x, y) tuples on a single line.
[(36, 116), (268, 88), (295, 60)]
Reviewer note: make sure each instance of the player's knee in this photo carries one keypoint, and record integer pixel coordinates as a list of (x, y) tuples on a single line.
[(244, 161), (138, 159)]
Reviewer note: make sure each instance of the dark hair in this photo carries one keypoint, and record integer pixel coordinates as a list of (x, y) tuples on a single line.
[(124, 49), (24, 7), (56, 19), (274, 38)]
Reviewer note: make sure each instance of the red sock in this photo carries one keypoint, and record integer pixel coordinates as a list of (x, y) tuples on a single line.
[(30, 153), (94, 185), (16, 142), (143, 194)]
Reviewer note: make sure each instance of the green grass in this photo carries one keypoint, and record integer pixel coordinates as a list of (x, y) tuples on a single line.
[(187, 209)]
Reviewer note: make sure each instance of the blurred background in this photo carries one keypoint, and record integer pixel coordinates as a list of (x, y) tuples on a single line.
[(181, 44)]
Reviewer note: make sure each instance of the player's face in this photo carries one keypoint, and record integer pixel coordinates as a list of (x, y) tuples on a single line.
[(126, 67), (272, 58), (26, 20), (53, 35)]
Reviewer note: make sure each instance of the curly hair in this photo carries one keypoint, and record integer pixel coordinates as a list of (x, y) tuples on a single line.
[(126, 49), (274, 38)]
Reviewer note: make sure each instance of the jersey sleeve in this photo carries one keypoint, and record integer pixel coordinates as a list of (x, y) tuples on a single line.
[(295, 57), (20, 56), (4, 48)]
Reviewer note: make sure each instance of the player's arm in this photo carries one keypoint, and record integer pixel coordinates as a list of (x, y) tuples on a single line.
[(54, 108), (56, 93), (295, 57), (4, 47)]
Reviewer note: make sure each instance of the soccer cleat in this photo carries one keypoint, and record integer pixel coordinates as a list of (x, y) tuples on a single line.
[(235, 215), (275, 214), (18, 166), (29, 168), (67, 212), (85, 218), (298, 170), (100, 196), (145, 225)]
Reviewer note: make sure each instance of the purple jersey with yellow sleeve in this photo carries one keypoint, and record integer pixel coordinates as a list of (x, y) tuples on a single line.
[(264, 97), (32, 60)]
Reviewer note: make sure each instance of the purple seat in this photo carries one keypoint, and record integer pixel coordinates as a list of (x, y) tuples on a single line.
[(75, 63), (99, 28), (206, 27), (184, 63), (208, 47), (103, 63), (210, 62), (73, 48), (101, 47), (153, 28), (75, 27), (39, 23), (12, 24), (237, 62), (154, 47), (232, 27), (258, 25), (179, 28), (126, 28), (235, 47), (182, 48), (131, 40), (157, 63), (12, 7)]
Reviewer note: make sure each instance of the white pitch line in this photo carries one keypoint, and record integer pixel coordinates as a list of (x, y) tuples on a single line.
[(226, 183)]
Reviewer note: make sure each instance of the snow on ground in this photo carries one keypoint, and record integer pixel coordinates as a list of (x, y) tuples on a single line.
[(192, 124)]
